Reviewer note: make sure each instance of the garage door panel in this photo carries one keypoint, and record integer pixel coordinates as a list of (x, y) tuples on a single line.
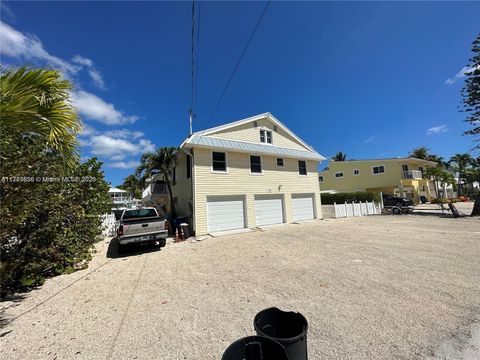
[(302, 205), (225, 213), (268, 210)]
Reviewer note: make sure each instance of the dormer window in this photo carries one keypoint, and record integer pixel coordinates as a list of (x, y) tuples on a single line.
[(266, 136)]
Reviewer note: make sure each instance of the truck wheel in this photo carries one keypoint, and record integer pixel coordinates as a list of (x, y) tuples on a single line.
[(162, 242), (396, 211), (406, 211)]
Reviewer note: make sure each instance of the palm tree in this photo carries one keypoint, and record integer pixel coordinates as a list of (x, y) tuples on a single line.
[(434, 173), (460, 163), (162, 160), (441, 163), (133, 185), (37, 102), (446, 178), (339, 156), (420, 152)]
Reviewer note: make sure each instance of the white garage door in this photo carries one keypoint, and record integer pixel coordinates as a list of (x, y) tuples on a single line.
[(302, 205), (268, 209), (225, 213)]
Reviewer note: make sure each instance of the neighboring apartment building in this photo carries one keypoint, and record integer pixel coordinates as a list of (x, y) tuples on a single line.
[(397, 176), (246, 174)]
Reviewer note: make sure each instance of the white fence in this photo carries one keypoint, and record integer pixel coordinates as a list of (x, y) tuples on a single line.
[(350, 209), (109, 224)]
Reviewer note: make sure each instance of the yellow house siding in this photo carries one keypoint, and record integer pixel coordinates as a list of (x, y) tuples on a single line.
[(366, 180), (247, 132), (239, 181)]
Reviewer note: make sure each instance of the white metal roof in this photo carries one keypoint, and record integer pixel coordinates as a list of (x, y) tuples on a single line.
[(116, 190), (247, 147), (266, 115)]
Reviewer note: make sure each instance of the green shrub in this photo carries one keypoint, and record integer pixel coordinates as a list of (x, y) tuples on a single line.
[(340, 198), (47, 228)]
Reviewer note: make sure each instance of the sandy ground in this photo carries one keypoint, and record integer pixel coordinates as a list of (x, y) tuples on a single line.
[(378, 287)]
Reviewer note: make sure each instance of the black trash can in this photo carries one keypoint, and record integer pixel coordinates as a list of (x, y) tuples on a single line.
[(423, 199), (288, 328), (255, 348)]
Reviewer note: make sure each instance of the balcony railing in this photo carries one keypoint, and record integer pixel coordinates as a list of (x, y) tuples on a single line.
[(412, 174), (158, 188)]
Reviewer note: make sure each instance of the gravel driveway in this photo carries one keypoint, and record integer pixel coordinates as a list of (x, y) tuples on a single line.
[(378, 287)]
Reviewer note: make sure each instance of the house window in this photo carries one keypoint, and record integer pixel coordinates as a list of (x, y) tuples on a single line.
[(320, 178), (378, 169), (189, 167), (280, 162), (356, 172), (255, 164), (405, 167), (339, 175), (420, 168), (266, 136), (219, 162), (302, 167)]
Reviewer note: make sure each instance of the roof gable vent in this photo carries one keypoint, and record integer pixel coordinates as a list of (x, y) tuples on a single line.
[(255, 124)]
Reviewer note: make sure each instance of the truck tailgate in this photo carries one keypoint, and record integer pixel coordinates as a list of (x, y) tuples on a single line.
[(144, 226)]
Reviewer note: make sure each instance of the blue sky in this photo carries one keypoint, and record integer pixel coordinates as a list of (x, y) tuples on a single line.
[(369, 79)]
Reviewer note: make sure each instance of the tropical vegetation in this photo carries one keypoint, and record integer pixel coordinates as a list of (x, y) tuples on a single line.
[(51, 202), (162, 161), (339, 156)]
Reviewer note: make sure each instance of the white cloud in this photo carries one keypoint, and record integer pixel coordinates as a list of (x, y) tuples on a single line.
[(18, 45), (94, 108), (124, 165), (372, 139), (461, 74), (87, 130), (124, 134), (117, 149), (92, 71), (437, 130), (82, 61), (6, 10), (28, 47)]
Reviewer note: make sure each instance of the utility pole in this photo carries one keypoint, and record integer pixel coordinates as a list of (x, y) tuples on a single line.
[(191, 120)]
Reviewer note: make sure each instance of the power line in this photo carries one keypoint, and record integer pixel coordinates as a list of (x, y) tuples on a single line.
[(194, 63), (193, 55), (197, 55), (236, 65)]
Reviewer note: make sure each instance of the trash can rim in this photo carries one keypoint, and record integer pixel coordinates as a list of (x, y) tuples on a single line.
[(254, 338), (281, 339)]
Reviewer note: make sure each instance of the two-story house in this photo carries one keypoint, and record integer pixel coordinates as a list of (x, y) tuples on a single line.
[(119, 197), (249, 173), (397, 176)]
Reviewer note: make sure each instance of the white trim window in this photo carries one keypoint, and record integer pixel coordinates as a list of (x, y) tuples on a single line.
[(302, 167), (338, 175), (265, 136), (378, 169), (356, 172), (280, 162), (255, 164), (219, 161)]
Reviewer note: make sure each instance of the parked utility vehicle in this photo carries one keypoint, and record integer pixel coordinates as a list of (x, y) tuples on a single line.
[(141, 226)]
